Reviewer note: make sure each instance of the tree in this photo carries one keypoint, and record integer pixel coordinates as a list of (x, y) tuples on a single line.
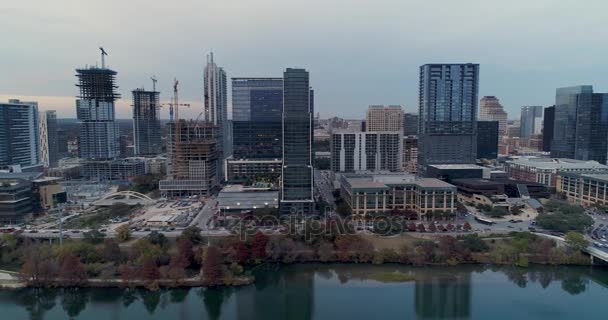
[(564, 218), (157, 238), (258, 246), (149, 270), (128, 274), (576, 241), (242, 253), (185, 253), (72, 272), (421, 228), (466, 226), (144, 250), (432, 227), (474, 243), (193, 234), (111, 251), (94, 236), (212, 267), (123, 233), (326, 251)]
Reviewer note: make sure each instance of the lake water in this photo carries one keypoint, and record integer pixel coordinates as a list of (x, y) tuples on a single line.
[(317, 291)]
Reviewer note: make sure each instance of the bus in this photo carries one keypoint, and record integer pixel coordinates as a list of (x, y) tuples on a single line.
[(484, 221)]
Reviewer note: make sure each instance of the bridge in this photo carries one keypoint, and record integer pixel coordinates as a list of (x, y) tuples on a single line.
[(595, 253), (131, 198)]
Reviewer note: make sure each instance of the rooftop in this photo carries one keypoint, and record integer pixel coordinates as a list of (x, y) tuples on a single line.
[(456, 166), (382, 181), (558, 163)]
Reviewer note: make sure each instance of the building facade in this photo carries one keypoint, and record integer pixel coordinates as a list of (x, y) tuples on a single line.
[(146, 122), (216, 107), (366, 151), (581, 124), (448, 114), (545, 170), (410, 124), (113, 170), (193, 159), (490, 109), (99, 135), (487, 139), (377, 194), (19, 134), (531, 121), (586, 189), (257, 106), (244, 170), (297, 173), (49, 151), (16, 201), (548, 127), (384, 118), (410, 154)]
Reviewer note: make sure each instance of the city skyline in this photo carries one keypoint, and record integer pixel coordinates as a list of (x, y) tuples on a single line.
[(497, 47)]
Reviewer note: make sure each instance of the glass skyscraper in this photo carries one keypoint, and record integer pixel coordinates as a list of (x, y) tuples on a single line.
[(448, 114), (581, 124), (531, 121), (257, 106), (297, 175), (146, 122), (19, 134)]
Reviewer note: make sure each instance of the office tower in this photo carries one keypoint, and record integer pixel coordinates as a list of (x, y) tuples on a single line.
[(384, 118), (146, 122), (531, 121), (487, 139), (49, 139), (548, 121), (99, 135), (490, 109), (193, 159), (62, 142), (297, 181), (216, 106), (448, 114), (410, 124), (581, 124), (410, 154), (257, 107), (366, 151), (19, 134)]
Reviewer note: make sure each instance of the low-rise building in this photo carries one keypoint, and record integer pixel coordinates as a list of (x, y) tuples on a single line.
[(449, 172), (120, 169), (378, 193), (545, 170), (238, 198), (585, 189), (16, 201)]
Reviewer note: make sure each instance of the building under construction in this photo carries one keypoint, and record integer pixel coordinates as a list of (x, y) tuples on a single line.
[(95, 112), (193, 159), (146, 122)]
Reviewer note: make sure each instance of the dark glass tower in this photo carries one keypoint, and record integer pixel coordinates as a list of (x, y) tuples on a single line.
[(296, 186), (548, 121), (257, 106), (448, 114), (581, 124), (410, 124), (487, 139), (146, 122)]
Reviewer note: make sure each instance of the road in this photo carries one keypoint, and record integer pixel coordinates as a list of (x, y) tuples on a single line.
[(324, 187), (202, 219)]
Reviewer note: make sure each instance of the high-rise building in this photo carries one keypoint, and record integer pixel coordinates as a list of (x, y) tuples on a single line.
[(410, 154), (410, 124), (257, 107), (49, 140), (581, 124), (216, 106), (193, 159), (297, 175), (366, 151), (531, 121), (490, 109), (384, 118), (548, 124), (19, 134), (448, 114), (487, 139), (99, 135), (146, 122)]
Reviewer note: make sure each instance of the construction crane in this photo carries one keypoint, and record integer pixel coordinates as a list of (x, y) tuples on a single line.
[(153, 78), (174, 105), (103, 60)]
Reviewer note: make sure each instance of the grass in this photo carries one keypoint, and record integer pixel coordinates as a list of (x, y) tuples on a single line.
[(395, 276), (98, 218)]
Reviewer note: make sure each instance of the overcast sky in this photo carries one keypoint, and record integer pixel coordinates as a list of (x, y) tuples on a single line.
[(358, 52)]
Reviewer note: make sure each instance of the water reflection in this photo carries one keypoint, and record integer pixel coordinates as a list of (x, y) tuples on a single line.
[(289, 293)]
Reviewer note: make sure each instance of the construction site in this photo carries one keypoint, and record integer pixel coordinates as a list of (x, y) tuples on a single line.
[(192, 148)]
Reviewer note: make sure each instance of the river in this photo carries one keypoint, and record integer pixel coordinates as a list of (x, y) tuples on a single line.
[(317, 291)]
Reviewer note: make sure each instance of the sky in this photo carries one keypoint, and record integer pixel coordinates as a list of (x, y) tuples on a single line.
[(358, 52)]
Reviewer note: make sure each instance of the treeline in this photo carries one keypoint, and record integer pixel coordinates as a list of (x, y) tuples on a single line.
[(190, 260)]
